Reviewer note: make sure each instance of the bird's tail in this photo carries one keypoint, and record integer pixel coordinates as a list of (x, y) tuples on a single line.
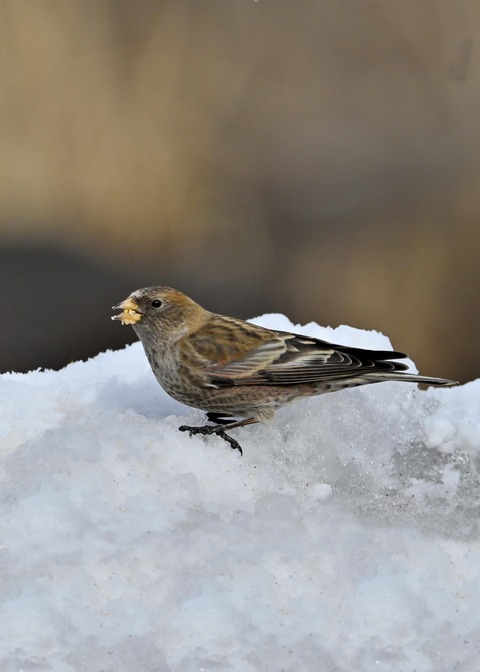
[(414, 378)]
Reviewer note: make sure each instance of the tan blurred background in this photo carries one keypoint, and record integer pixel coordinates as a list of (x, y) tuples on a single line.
[(317, 158)]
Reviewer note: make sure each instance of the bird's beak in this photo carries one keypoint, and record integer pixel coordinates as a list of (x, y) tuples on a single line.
[(131, 313)]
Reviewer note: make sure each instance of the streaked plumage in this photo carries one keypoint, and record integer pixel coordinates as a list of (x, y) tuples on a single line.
[(229, 367)]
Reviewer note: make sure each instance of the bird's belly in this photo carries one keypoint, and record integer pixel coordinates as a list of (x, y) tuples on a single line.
[(240, 400)]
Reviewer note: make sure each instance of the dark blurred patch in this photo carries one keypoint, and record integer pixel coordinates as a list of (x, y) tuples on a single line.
[(56, 307)]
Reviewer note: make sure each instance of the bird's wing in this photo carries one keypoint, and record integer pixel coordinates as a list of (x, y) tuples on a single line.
[(237, 353), (310, 360), (232, 348)]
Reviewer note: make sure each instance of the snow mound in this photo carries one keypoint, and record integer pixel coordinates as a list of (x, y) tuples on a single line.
[(346, 538)]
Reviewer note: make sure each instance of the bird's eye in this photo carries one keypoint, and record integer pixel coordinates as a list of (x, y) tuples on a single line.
[(156, 303)]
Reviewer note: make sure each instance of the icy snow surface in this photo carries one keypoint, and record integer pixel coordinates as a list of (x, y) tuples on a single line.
[(345, 539)]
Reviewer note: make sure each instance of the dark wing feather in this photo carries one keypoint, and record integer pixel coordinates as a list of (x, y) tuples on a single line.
[(292, 359)]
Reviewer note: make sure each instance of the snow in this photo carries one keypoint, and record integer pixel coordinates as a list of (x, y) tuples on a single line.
[(346, 538)]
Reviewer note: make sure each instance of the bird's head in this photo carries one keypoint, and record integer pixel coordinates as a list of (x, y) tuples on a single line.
[(162, 312)]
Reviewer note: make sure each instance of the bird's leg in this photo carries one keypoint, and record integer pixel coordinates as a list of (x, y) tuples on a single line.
[(219, 429)]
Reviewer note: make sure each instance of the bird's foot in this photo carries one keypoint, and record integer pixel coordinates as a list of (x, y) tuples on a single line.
[(207, 430)]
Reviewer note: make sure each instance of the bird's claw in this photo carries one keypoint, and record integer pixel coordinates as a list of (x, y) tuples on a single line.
[(207, 430)]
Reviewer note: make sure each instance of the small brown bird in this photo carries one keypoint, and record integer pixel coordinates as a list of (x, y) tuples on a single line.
[(231, 368)]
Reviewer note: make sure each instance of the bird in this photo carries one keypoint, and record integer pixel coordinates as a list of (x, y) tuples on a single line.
[(240, 373)]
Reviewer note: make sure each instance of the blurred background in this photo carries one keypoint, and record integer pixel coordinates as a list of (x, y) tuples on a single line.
[(319, 159)]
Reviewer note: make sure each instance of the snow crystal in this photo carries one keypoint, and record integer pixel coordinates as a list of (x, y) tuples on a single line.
[(346, 538)]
